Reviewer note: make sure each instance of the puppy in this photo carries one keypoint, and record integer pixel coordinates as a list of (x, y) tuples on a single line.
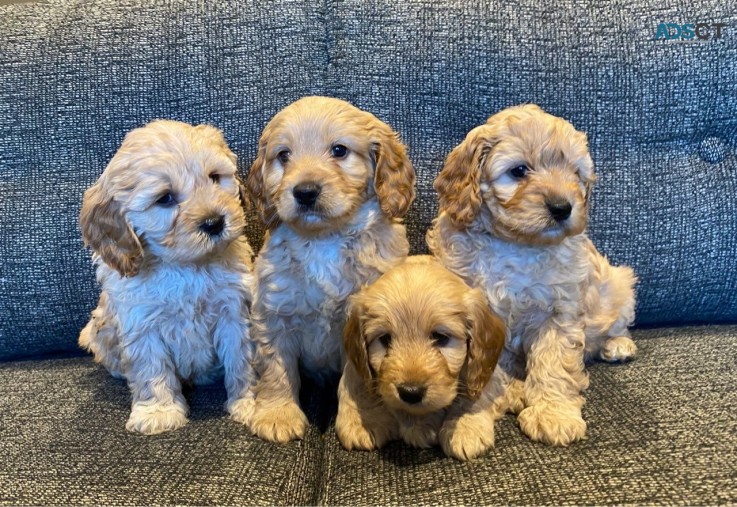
[(165, 222), (421, 346), (331, 183), (513, 212)]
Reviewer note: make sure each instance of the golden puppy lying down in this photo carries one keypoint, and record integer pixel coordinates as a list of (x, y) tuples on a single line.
[(421, 348)]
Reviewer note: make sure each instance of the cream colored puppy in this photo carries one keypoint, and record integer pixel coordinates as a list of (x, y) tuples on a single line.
[(421, 347), (166, 225), (513, 214), (332, 183)]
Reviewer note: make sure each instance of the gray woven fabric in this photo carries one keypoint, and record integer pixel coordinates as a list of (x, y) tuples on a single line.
[(63, 442), (661, 431), (75, 77), (662, 118)]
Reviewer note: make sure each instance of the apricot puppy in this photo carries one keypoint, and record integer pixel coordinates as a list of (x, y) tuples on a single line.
[(165, 223), (513, 213), (331, 183), (421, 348)]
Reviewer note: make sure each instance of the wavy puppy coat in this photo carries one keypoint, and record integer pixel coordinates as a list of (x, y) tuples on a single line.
[(165, 223), (513, 213), (331, 182), (421, 348)]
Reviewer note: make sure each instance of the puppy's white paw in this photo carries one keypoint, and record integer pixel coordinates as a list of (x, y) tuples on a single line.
[(154, 419), (618, 349), (468, 436), (241, 410), (278, 423), (423, 436), (557, 425), (514, 397)]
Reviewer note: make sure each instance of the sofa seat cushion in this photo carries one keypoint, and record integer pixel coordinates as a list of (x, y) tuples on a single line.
[(662, 430), (63, 442)]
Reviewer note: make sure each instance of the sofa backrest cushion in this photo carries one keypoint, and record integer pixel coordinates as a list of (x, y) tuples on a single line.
[(661, 117)]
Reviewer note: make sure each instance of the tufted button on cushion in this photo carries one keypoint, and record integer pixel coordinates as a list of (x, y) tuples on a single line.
[(713, 150)]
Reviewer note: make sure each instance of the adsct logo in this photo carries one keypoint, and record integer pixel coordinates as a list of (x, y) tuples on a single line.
[(690, 31)]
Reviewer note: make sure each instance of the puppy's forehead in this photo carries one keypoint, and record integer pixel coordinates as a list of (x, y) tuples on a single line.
[(311, 126), (539, 139), (177, 154), (417, 299)]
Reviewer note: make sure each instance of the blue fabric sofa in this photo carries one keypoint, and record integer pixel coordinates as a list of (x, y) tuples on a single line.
[(661, 115)]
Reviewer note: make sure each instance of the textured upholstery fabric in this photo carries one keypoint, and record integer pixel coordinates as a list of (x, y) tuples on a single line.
[(661, 431), (76, 76), (661, 118), (64, 443)]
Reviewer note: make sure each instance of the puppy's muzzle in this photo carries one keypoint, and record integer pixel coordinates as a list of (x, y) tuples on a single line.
[(560, 209), (306, 194), (213, 226), (411, 393)]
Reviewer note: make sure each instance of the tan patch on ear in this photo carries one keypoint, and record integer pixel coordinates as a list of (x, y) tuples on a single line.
[(257, 189), (355, 344), (394, 181), (457, 184), (487, 334), (107, 232)]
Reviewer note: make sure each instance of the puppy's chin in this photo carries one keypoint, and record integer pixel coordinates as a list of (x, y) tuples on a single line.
[(311, 222), (317, 221)]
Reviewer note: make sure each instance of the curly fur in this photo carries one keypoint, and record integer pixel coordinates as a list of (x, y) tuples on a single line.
[(391, 341), (174, 301), (315, 256), (561, 300)]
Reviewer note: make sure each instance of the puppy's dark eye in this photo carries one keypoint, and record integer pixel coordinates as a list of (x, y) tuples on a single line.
[(519, 172), (339, 151), (283, 156), (385, 340), (167, 200), (439, 339), (215, 177)]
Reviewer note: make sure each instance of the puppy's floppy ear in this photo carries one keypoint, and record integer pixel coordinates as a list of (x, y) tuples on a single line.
[(242, 192), (457, 184), (355, 342), (108, 233), (486, 341), (394, 175), (586, 171), (257, 190)]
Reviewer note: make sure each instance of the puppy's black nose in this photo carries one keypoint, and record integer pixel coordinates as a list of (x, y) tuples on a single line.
[(213, 225), (411, 393), (560, 209), (306, 194)]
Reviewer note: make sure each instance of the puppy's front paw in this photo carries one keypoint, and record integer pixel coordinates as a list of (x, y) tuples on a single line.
[(241, 410), (154, 419), (618, 349), (365, 433), (281, 423), (468, 436), (552, 424), (354, 435)]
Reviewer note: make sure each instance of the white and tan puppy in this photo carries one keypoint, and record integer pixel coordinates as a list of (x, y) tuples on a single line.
[(166, 225), (331, 182), (421, 347), (513, 214)]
